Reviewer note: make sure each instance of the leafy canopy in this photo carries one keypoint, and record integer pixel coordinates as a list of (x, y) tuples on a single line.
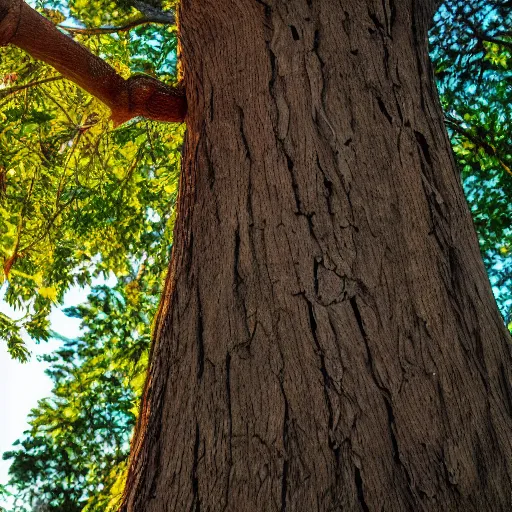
[(77, 198), (80, 200)]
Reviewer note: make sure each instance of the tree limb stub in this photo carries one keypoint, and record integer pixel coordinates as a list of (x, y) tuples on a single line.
[(22, 26)]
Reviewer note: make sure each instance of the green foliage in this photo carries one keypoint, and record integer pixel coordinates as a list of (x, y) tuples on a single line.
[(75, 453), (471, 45), (79, 199)]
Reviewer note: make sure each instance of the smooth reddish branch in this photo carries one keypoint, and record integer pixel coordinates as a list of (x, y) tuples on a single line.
[(22, 26)]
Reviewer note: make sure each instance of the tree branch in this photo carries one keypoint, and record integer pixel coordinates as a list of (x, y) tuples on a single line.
[(114, 30), (488, 148), (486, 37), (138, 96), (17, 88), (156, 17)]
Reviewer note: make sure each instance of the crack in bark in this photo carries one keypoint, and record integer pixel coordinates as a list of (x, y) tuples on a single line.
[(378, 25), (200, 338), (391, 423), (239, 284), (328, 185), (315, 276), (294, 32), (266, 6), (423, 144), (327, 383), (384, 33), (196, 503), (236, 258), (273, 68), (369, 356), (358, 318), (434, 215), (284, 478), (242, 133), (295, 186), (230, 425), (360, 491), (212, 106), (383, 109), (385, 392), (396, 87), (389, 10)]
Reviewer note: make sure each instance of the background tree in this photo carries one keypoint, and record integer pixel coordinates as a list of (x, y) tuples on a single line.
[(74, 457), (462, 128)]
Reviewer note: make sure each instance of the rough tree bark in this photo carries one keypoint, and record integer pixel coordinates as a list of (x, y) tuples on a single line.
[(328, 339)]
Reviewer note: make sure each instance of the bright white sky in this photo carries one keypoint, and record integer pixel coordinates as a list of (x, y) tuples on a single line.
[(22, 385)]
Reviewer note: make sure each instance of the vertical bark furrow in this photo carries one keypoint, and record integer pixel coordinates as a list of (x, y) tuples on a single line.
[(200, 340), (360, 491), (286, 455), (196, 504), (230, 428)]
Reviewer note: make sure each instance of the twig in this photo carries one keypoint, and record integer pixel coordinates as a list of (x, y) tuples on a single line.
[(122, 28), (17, 88), (488, 148)]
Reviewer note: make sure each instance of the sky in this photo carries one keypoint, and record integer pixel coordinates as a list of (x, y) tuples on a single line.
[(22, 385)]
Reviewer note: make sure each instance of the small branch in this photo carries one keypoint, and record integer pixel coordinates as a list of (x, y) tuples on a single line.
[(485, 37), (17, 88), (156, 20), (490, 150), (138, 96)]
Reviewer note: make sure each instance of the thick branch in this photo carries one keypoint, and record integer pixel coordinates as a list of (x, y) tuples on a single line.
[(138, 96)]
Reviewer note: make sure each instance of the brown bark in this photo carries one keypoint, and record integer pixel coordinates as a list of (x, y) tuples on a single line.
[(328, 339), (22, 26)]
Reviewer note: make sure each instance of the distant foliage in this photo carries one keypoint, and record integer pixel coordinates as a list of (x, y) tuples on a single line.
[(74, 456), (471, 45), (79, 199)]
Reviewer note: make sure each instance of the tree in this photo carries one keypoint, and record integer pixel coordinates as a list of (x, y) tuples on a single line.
[(69, 449), (74, 456), (327, 338)]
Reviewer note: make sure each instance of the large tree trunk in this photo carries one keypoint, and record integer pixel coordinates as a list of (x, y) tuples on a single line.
[(328, 339)]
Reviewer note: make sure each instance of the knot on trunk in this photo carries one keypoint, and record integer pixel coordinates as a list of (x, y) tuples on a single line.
[(152, 99)]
